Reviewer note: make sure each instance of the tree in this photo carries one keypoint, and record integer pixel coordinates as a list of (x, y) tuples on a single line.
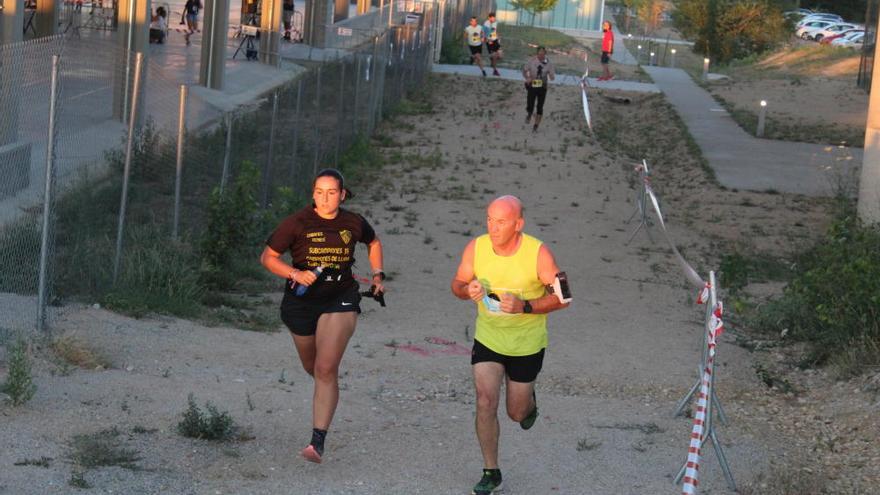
[(650, 13), (630, 7), (534, 7), (729, 29)]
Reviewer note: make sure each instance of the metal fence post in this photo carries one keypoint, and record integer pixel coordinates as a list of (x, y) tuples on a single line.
[(296, 124), (227, 152), (357, 99), (181, 131), (126, 172), (47, 198), (267, 169), (340, 111), (317, 134)]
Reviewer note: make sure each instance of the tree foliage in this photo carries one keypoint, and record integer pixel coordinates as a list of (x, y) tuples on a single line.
[(851, 10), (727, 29), (534, 7), (650, 14)]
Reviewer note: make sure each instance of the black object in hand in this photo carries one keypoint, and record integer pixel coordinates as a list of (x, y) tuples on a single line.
[(380, 297)]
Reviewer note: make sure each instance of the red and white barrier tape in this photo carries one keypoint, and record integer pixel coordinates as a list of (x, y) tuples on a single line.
[(698, 433)]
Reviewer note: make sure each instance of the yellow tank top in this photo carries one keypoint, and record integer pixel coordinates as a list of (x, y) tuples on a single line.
[(510, 334)]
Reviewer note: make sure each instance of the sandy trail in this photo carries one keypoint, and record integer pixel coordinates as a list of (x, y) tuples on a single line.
[(618, 360)]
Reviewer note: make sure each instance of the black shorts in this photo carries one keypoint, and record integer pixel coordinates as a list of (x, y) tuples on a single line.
[(476, 50), (493, 46), (522, 369), (301, 315), (606, 57)]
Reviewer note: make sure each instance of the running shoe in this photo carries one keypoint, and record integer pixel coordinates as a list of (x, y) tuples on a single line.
[(601, 78), (609, 77), (495, 72), (529, 420), (311, 454), (534, 131), (528, 118), (484, 72), (489, 483)]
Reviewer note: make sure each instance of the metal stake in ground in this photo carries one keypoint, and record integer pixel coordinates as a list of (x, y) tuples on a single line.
[(126, 171), (181, 131), (227, 152), (47, 197)]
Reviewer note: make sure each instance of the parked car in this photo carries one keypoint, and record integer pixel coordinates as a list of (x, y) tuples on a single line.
[(828, 39), (809, 29), (832, 30), (820, 17), (856, 40)]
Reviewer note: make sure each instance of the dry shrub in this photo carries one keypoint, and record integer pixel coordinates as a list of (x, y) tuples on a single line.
[(77, 352)]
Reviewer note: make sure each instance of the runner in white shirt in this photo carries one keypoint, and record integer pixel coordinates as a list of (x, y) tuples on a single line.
[(493, 42), (475, 36)]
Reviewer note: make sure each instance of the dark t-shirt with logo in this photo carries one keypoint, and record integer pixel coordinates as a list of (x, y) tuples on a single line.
[(314, 241)]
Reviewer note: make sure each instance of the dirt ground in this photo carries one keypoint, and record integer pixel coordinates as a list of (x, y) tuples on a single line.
[(811, 93), (619, 358)]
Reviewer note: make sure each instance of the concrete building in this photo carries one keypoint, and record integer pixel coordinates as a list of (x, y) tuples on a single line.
[(575, 16)]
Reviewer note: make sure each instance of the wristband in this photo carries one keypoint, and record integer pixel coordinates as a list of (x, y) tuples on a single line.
[(380, 274)]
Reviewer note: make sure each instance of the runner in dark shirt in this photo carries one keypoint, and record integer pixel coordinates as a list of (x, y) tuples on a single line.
[(321, 298)]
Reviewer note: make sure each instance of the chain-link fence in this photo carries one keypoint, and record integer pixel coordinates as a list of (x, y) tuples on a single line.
[(144, 213)]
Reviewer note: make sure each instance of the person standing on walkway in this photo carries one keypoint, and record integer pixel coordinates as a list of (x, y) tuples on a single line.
[(321, 299), (506, 273), (607, 50), (191, 14), (537, 72), (475, 36), (493, 42)]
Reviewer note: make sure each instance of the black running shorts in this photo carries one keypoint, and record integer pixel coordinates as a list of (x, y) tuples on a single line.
[(476, 50), (522, 369), (301, 316), (493, 46), (606, 57)]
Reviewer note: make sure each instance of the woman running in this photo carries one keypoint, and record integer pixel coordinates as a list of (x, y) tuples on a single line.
[(321, 298)]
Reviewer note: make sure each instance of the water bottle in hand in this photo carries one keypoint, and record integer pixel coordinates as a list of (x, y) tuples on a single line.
[(300, 289)]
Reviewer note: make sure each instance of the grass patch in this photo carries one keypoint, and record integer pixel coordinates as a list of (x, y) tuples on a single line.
[(43, 462), (737, 270), (833, 302), (102, 449), (783, 130), (517, 45), (210, 424)]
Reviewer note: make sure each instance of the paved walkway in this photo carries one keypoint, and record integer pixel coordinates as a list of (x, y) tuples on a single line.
[(562, 79), (742, 161)]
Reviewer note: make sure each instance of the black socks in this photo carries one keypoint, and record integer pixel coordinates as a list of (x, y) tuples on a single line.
[(317, 442)]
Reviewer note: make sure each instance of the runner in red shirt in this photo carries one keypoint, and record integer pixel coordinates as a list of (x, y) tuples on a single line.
[(607, 50)]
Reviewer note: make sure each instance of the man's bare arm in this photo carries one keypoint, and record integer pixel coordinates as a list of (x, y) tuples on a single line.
[(463, 285)]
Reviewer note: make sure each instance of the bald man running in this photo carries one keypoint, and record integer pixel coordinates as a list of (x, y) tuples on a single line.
[(506, 273)]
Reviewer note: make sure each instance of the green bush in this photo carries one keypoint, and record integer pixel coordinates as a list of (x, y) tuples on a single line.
[(19, 248), (155, 274), (209, 425), (728, 29), (19, 384), (452, 51), (234, 223), (834, 300)]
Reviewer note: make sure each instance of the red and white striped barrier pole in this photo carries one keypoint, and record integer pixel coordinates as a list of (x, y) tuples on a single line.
[(702, 425)]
